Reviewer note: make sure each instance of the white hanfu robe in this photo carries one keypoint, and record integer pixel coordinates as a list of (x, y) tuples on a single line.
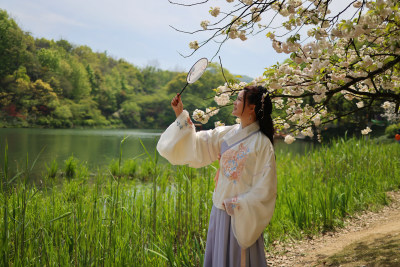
[(246, 184)]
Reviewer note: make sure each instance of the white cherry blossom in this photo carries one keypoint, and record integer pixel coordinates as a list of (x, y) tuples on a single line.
[(194, 45), (366, 131), (289, 139), (200, 116), (215, 11), (204, 24), (222, 99), (218, 123)]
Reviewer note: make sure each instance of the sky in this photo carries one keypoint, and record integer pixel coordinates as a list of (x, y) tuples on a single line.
[(139, 32)]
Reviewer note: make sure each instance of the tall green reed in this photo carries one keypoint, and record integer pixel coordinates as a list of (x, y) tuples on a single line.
[(121, 220), (4, 191)]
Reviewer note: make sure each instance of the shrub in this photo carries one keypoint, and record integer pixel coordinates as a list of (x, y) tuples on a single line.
[(392, 130), (56, 123), (44, 121)]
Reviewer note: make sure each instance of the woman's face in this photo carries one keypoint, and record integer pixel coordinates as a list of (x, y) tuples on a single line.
[(238, 104)]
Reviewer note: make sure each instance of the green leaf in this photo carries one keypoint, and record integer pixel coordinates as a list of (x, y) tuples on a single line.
[(61, 217)]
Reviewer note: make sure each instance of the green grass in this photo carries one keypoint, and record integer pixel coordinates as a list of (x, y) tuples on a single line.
[(317, 190), (139, 212)]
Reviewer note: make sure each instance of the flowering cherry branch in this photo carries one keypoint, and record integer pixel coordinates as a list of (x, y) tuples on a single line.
[(355, 59)]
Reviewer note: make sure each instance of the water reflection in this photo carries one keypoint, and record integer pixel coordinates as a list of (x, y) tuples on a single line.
[(95, 147)]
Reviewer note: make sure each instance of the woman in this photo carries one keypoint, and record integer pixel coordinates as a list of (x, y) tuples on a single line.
[(245, 190)]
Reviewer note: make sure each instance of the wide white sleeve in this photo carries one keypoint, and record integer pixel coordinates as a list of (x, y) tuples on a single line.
[(252, 211), (180, 144)]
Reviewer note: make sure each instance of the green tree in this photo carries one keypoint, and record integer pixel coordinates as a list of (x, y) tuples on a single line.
[(64, 44), (11, 44), (42, 100), (49, 59), (130, 114), (63, 112), (79, 80)]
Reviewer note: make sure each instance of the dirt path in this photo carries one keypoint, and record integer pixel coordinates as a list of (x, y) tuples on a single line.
[(369, 239)]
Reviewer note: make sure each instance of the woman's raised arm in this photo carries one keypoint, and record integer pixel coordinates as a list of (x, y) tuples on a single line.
[(177, 105)]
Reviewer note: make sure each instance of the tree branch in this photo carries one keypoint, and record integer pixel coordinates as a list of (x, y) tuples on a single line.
[(194, 4)]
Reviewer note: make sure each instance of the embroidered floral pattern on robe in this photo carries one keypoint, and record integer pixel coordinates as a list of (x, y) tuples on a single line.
[(233, 162), (187, 123), (230, 205)]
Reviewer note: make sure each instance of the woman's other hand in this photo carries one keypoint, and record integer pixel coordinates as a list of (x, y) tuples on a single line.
[(177, 105)]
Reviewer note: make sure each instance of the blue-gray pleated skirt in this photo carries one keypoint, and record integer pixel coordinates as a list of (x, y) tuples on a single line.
[(222, 248)]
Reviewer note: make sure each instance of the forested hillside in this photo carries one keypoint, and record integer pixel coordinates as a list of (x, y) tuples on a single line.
[(48, 83)]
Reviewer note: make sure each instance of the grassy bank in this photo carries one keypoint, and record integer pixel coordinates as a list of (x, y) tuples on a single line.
[(317, 190), (116, 219)]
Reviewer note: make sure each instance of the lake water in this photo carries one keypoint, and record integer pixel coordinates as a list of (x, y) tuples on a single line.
[(96, 147)]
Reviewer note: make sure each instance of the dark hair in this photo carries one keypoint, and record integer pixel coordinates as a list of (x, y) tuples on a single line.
[(263, 109)]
